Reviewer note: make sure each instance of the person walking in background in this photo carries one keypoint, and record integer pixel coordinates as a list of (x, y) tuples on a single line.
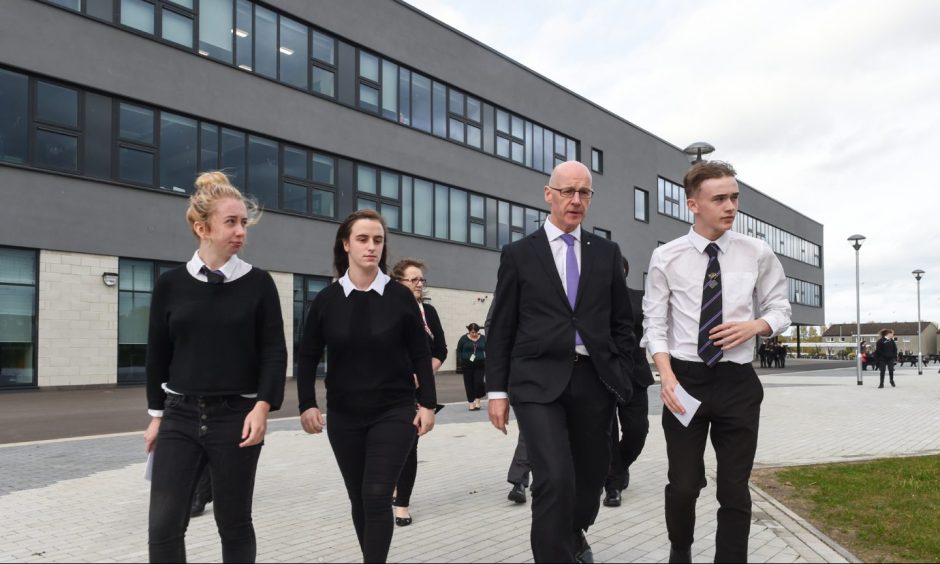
[(216, 365), (633, 416), (411, 273), (700, 324), (886, 353), (378, 346), (762, 353), (561, 347), (471, 353)]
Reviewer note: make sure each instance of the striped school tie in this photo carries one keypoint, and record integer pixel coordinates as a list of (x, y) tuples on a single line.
[(711, 308)]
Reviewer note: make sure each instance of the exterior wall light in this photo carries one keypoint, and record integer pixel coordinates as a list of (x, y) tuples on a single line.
[(697, 151), (110, 279)]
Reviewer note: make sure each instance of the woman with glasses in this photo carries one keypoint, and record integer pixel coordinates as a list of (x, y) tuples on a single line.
[(471, 352), (410, 273), (378, 347)]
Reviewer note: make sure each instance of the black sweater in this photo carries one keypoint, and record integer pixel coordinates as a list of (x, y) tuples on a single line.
[(376, 343), (439, 343), (216, 339)]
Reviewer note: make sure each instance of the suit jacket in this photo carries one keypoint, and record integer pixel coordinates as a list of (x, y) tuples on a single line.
[(886, 349), (642, 374), (530, 349)]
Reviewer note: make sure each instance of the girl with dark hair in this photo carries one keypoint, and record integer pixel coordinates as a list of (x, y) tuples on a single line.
[(216, 362), (410, 273), (471, 353), (378, 347)]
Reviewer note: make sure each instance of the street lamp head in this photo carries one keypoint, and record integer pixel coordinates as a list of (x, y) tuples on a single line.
[(918, 274), (857, 241), (697, 151)]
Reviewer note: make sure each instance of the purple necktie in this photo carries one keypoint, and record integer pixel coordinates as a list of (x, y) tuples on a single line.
[(571, 277)]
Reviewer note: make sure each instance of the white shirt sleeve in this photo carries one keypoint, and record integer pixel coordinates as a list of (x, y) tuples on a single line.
[(772, 300), (497, 395), (155, 412), (656, 307)]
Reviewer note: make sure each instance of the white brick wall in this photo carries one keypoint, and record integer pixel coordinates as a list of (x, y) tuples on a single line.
[(457, 309), (77, 320), (285, 290)]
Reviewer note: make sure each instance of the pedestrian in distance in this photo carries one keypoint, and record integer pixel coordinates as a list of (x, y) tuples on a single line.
[(471, 353), (411, 273), (700, 324), (886, 352), (633, 417), (561, 350), (378, 346), (216, 365)]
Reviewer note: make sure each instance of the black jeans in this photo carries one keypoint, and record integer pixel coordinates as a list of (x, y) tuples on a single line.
[(196, 432), (568, 444), (473, 384), (371, 449), (624, 450), (889, 364), (731, 395), (406, 480)]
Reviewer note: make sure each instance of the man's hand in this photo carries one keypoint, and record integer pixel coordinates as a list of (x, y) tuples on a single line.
[(667, 392), (150, 435), (424, 420), (256, 425), (734, 333), (312, 420), (499, 413)]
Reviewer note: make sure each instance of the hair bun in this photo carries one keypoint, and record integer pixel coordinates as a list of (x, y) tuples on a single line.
[(212, 178)]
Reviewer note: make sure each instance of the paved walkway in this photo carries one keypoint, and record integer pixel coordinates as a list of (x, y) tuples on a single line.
[(85, 500)]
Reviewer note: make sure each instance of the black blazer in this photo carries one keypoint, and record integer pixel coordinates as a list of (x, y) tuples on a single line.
[(642, 374), (530, 349), (886, 349)]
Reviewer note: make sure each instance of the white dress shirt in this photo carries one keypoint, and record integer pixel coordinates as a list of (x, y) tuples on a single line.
[(381, 280), (750, 274), (231, 271), (560, 255)]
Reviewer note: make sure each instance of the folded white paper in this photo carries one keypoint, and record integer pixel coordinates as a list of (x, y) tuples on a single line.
[(148, 470), (690, 404)]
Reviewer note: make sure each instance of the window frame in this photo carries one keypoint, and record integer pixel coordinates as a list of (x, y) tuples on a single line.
[(37, 255), (646, 205), (595, 152)]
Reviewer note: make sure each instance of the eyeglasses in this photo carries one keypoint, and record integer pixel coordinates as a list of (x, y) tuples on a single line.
[(415, 281), (568, 193)]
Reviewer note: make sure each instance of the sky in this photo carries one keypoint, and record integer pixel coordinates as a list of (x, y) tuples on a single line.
[(831, 107)]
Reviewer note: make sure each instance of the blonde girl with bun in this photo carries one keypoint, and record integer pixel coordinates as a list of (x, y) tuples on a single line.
[(216, 365)]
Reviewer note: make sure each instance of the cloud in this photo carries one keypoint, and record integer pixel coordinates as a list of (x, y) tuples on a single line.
[(831, 107)]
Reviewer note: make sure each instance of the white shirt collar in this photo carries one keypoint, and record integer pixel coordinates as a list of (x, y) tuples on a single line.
[(195, 264), (554, 233), (700, 242), (381, 280)]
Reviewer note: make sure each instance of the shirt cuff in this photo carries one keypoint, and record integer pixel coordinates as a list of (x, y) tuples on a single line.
[(155, 412), (653, 347), (497, 395), (778, 323)]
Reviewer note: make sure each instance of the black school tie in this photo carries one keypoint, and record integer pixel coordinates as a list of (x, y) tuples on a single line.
[(212, 276), (711, 308)]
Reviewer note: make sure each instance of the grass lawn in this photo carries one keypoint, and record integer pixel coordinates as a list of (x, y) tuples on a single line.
[(881, 510)]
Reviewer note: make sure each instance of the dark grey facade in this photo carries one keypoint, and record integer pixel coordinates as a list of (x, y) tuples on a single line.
[(91, 210)]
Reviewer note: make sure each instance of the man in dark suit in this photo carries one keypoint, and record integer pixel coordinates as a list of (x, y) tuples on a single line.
[(562, 347), (634, 415)]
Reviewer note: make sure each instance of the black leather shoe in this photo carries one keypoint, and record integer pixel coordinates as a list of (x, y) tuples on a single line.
[(613, 498), (680, 555), (517, 494), (892, 384), (583, 552), (199, 506), (402, 521)]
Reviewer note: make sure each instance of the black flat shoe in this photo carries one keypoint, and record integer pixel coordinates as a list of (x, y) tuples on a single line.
[(402, 521), (613, 498), (517, 494)]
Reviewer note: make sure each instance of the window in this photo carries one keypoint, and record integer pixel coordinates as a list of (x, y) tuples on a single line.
[(531, 145), (57, 126), (324, 64), (14, 116), (672, 201), (263, 170), (306, 289), (308, 184), (216, 29), (138, 14), (464, 117), (379, 190), (244, 33), (369, 82), (18, 286), (293, 53), (597, 161), (136, 279), (265, 42), (136, 149), (804, 293), (641, 205), (177, 152)]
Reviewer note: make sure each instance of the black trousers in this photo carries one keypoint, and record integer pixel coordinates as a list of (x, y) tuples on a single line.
[(568, 444), (371, 449), (626, 448), (196, 432), (731, 395), (473, 384), (519, 467), (889, 364), (406, 480)]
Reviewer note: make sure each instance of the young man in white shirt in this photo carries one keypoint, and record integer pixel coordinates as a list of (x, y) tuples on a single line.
[(700, 327)]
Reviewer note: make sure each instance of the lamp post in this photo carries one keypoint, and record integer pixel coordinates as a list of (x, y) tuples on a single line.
[(918, 274), (697, 151), (857, 244)]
